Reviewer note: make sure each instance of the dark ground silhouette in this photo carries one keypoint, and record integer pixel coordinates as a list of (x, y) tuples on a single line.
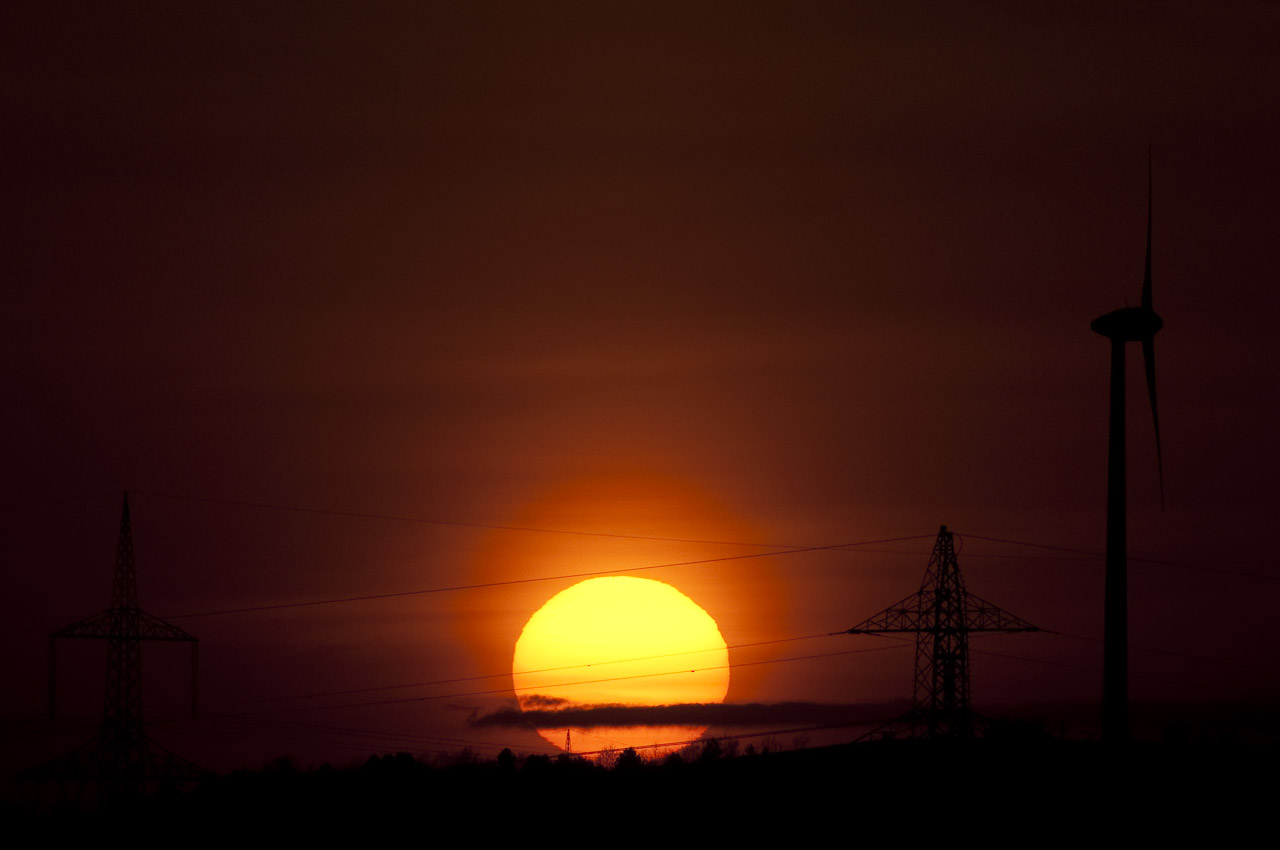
[(1017, 778)]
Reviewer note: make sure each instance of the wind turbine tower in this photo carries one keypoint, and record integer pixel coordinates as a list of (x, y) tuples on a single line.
[(1129, 324)]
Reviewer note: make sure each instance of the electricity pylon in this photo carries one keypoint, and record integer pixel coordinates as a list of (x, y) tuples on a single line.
[(942, 615), (121, 758)]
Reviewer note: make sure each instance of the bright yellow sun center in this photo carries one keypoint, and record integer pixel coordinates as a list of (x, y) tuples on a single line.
[(620, 641)]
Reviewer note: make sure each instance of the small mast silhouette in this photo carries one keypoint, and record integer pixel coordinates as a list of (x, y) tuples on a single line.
[(1129, 324)]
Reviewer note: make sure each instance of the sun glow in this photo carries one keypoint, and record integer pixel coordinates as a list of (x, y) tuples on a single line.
[(620, 641)]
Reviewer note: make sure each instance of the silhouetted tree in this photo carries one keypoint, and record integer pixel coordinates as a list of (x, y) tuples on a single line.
[(464, 756), (282, 765), (537, 763), (628, 760)]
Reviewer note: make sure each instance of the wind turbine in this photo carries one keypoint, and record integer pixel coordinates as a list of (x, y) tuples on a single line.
[(1129, 324)]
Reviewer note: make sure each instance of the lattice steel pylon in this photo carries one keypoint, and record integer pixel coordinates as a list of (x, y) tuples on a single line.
[(121, 758), (942, 615)]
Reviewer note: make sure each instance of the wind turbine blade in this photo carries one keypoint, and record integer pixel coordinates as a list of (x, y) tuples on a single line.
[(1146, 275), (1149, 359)]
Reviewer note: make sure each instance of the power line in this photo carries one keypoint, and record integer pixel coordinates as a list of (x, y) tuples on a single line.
[(1091, 669), (743, 735), (461, 679), (1154, 651), (1160, 561), (900, 642), (490, 692), (317, 729), (508, 582), (482, 585)]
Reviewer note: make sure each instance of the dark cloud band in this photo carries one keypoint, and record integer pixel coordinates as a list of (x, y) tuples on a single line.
[(715, 714)]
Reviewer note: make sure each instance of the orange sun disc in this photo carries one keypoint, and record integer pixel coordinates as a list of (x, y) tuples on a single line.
[(620, 641)]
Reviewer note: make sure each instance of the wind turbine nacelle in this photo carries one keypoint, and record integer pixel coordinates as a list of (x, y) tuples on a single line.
[(1129, 324)]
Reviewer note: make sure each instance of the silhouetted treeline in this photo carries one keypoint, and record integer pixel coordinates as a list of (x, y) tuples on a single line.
[(1017, 780)]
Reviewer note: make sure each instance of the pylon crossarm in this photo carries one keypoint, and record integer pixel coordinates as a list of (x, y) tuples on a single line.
[(906, 616), (153, 628), (982, 616), (97, 626), (138, 625)]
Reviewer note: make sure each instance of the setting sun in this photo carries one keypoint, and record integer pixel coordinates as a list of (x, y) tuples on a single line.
[(620, 641)]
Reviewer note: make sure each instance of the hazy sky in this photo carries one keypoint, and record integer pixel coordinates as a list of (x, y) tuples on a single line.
[(770, 273)]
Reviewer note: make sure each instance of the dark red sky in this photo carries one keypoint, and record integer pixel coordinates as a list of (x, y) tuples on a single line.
[(779, 273)]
